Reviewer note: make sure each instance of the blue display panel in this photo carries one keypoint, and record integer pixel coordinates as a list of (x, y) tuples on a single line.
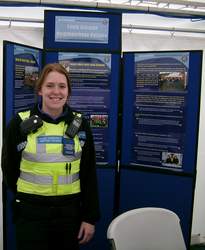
[(161, 109), (151, 189), (22, 65), (82, 31), (95, 83), (106, 194)]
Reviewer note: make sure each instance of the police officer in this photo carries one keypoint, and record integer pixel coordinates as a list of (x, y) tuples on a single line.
[(48, 161)]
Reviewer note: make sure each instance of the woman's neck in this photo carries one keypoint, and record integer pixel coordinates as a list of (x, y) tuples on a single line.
[(54, 114)]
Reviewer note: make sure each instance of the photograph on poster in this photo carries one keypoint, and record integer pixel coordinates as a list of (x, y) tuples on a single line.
[(31, 75), (170, 159), (99, 121), (172, 81)]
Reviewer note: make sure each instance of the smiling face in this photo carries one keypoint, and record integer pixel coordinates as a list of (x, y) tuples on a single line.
[(54, 92)]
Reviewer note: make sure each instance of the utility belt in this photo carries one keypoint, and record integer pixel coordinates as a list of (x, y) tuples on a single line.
[(34, 207), (54, 201)]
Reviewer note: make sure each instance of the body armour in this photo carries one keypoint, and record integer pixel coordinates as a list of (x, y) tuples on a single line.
[(50, 162)]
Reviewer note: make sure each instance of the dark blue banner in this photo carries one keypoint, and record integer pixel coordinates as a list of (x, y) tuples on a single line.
[(94, 79), (82, 31), (22, 66), (158, 103)]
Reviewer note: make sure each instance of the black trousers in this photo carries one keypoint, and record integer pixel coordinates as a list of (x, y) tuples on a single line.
[(42, 227)]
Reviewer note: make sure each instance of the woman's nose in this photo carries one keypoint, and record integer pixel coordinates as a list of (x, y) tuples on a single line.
[(56, 89)]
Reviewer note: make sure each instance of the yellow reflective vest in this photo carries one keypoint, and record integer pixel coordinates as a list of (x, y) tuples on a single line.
[(50, 162)]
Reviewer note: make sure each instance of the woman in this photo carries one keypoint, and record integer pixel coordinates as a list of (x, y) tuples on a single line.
[(48, 161)]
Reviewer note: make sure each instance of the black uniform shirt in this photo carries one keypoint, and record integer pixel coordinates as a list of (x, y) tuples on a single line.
[(11, 158)]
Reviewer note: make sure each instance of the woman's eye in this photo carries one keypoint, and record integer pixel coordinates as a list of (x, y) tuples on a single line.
[(60, 86), (49, 86)]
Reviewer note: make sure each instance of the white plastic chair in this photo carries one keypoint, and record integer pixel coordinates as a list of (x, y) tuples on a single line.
[(146, 229)]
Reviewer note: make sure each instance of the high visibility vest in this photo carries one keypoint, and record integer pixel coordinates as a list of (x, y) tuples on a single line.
[(50, 161)]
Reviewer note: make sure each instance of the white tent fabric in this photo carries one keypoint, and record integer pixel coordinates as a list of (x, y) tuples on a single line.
[(188, 7), (131, 41)]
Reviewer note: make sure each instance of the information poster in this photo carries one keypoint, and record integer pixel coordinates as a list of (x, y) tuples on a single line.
[(159, 109), (26, 72), (95, 94), (79, 29), (22, 65), (82, 31)]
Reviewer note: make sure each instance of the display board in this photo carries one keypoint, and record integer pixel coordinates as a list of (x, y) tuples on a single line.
[(154, 189), (95, 83), (82, 31), (22, 65), (85, 45), (161, 109)]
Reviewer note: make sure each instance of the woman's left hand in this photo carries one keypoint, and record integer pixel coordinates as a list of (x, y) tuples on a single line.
[(86, 232)]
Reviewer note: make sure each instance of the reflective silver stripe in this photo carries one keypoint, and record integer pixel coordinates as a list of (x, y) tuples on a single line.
[(37, 179), (40, 148), (68, 178), (50, 157), (48, 180)]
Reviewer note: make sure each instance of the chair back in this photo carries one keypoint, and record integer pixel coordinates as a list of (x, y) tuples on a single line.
[(147, 228)]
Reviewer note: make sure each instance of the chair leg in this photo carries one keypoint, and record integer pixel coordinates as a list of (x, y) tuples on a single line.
[(112, 244)]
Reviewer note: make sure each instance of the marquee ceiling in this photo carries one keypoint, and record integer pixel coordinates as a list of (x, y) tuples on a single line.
[(163, 14), (176, 6)]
